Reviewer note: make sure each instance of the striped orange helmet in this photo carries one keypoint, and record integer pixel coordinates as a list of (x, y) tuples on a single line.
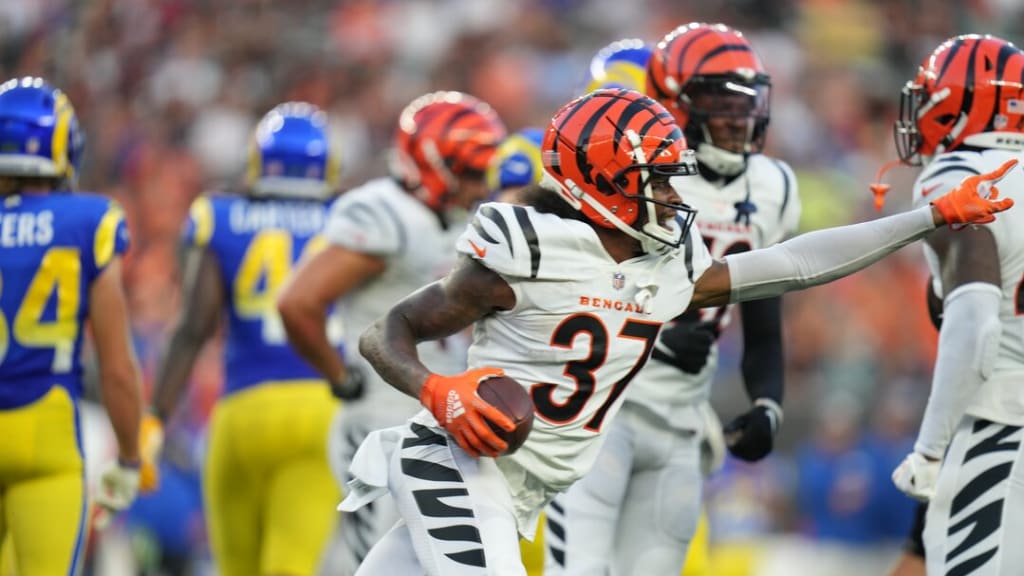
[(442, 136), (602, 150), (702, 71), (969, 91)]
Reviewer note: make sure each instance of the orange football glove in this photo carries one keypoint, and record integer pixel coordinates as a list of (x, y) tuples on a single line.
[(974, 200), (454, 402), (151, 442)]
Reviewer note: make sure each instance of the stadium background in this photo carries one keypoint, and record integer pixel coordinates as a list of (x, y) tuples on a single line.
[(168, 91)]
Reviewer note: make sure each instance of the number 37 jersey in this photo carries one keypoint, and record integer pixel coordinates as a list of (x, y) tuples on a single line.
[(581, 329), (256, 243), (52, 248)]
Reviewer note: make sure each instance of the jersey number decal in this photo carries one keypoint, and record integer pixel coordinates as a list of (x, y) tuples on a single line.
[(59, 276), (265, 266), (582, 371)]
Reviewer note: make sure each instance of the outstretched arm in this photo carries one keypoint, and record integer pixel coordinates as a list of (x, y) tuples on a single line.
[(825, 255)]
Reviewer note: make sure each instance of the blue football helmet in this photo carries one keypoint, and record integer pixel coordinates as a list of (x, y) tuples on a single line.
[(291, 155), (517, 162), (39, 133), (621, 64)]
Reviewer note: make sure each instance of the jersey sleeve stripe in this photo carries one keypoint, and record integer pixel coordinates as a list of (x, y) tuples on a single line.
[(785, 187), (947, 169), (492, 214), (531, 238), (106, 236), (201, 213), (951, 158), (475, 223)]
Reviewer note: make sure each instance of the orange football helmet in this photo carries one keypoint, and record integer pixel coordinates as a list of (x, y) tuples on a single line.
[(600, 152), (969, 91), (441, 136), (702, 71)]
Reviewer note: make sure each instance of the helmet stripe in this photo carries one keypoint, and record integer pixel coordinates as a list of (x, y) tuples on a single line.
[(968, 100), (721, 50), (953, 50), (583, 140), (681, 60), (59, 142)]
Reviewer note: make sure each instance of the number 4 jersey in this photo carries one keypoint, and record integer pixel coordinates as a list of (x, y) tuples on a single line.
[(256, 243), (582, 327), (52, 248)]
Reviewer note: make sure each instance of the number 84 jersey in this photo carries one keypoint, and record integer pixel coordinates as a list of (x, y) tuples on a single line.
[(582, 327), (52, 248)]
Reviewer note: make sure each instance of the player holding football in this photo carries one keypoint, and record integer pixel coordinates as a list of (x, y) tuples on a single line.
[(60, 266), (567, 296), (386, 239), (268, 430), (963, 114), (649, 472)]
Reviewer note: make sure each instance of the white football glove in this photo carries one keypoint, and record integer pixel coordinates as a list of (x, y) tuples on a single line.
[(916, 476), (118, 487)]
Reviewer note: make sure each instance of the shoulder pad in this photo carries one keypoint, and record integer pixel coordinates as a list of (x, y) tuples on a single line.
[(368, 219), (517, 241)]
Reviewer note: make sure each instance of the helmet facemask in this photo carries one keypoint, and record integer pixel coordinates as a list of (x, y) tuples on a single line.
[(727, 119), (915, 103)]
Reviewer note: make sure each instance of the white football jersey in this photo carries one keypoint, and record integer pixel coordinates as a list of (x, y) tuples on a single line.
[(578, 334), (770, 187), (382, 219), (1001, 397)]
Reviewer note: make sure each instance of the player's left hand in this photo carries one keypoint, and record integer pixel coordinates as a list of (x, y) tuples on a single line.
[(916, 476), (751, 435), (974, 201), (119, 484)]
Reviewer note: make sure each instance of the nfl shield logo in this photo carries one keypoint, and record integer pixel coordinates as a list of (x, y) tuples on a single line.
[(618, 280)]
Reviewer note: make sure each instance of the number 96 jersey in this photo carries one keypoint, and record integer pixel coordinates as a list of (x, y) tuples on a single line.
[(52, 248), (256, 243), (581, 329)]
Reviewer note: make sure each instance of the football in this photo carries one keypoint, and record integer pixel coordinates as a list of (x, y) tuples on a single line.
[(507, 395)]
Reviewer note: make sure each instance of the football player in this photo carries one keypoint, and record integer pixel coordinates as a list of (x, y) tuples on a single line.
[(567, 296), (962, 115), (649, 471), (268, 430), (386, 239), (60, 267)]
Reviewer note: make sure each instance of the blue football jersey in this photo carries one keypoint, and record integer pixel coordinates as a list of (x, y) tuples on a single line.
[(52, 248), (256, 243)]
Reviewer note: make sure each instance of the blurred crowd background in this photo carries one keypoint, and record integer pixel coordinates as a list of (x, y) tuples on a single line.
[(169, 90)]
